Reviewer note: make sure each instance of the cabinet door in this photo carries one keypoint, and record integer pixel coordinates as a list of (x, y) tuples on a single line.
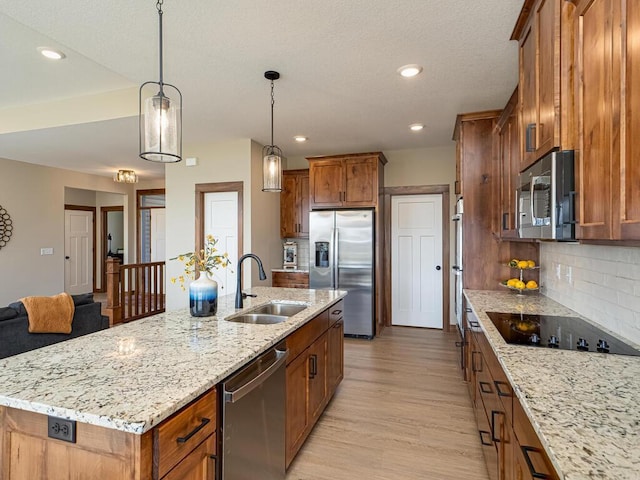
[(317, 377), (326, 183), (297, 419), (548, 87), (198, 465), (335, 357), (509, 151), (288, 206), (598, 129), (303, 213), (360, 182), (527, 93)]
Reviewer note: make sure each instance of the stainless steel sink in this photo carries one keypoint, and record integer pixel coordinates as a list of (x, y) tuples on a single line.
[(260, 318), (284, 309)]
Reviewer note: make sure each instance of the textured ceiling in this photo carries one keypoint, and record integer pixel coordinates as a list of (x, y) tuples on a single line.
[(337, 60)]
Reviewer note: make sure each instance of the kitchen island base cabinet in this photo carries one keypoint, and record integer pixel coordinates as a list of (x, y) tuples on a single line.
[(314, 370)]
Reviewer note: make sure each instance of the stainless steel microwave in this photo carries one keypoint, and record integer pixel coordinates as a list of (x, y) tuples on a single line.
[(545, 198)]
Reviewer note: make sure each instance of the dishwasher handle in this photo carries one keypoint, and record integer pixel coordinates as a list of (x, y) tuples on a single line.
[(259, 379)]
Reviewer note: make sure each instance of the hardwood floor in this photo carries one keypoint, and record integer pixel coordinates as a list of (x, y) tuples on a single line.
[(402, 412)]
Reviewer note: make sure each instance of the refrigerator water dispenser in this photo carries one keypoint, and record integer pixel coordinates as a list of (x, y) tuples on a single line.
[(322, 254)]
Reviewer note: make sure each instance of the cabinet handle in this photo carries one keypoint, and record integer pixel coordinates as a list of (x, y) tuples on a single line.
[(525, 450), (493, 425), (530, 138), (313, 366), (490, 444), (203, 422), (336, 312), (505, 221), (487, 389), (473, 363), (473, 323), (212, 470), (501, 393)]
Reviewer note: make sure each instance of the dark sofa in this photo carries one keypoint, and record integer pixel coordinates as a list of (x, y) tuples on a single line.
[(14, 326)]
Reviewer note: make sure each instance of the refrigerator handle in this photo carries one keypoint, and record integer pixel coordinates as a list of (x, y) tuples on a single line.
[(335, 258)]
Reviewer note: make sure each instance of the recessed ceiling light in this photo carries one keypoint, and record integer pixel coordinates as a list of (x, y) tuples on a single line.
[(409, 71), (416, 127), (300, 138), (51, 53)]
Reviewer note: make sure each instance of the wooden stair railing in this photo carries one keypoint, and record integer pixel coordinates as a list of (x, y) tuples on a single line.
[(134, 291)]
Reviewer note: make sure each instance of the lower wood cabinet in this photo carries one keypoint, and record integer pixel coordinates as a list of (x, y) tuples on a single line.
[(198, 465), (314, 370)]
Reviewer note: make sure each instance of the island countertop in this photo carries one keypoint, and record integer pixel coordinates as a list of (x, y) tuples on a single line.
[(584, 406), (133, 376)]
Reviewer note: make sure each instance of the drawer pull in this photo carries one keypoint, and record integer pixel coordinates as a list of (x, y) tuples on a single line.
[(336, 312), (493, 425), (500, 392), (487, 389), (473, 323), (525, 450), (203, 422), (490, 444)]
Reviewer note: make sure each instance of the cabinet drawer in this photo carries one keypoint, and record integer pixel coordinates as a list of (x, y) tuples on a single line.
[(299, 340), (336, 312), (179, 435)]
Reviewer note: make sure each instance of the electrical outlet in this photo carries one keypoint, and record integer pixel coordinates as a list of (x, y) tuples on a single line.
[(46, 251), (62, 429)]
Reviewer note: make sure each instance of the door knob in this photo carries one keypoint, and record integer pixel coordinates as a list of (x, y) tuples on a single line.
[(66, 257), (438, 267)]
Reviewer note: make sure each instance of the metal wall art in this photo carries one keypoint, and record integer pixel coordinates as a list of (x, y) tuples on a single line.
[(6, 227)]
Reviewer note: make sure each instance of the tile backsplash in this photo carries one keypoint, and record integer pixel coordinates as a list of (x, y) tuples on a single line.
[(303, 251), (600, 282)]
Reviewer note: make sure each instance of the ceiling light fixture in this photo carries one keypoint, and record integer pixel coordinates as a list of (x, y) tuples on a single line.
[(409, 71), (271, 154), (51, 53), (300, 138), (416, 127), (160, 118), (125, 176)]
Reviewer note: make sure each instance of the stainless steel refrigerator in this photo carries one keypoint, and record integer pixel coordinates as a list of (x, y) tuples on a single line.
[(341, 246)]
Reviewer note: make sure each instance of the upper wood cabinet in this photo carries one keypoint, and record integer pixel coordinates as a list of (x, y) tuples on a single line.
[(608, 98), (544, 34), (509, 159), (294, 204), (346, 180)]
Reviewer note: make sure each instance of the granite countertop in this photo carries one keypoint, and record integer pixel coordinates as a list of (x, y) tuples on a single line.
[(584, 406), (290, 270), (133, 376)]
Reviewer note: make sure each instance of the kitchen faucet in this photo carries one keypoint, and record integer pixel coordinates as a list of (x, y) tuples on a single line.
[(263, 276)]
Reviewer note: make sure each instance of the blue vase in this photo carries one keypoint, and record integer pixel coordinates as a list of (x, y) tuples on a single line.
[(203, 296)]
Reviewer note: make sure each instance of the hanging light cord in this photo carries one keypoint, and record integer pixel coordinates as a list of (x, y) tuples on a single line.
[(272, 104), (159, 7)]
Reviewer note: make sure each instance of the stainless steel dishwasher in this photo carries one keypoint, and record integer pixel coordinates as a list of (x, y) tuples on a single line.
[(253, 419)]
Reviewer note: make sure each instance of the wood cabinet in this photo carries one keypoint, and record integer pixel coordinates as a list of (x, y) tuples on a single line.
[(484, 254), (294, 204), (545, 41), (290, 279), (608, 98), (350, 180), (509, 160), (98, 452), (335, 347), (315, 357)]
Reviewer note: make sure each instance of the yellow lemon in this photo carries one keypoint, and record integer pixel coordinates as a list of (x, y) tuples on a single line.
[(531, 263), (512, 282), (531, 285), (520, 285), (523, 264)]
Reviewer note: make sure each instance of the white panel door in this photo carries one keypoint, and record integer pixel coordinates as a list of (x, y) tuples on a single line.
[(221, 221), (416, 260), (158, 234), (78, 251)]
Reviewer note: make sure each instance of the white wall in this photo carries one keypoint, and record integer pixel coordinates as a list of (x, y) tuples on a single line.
[(600, 282), (231, 161), (34, 196)]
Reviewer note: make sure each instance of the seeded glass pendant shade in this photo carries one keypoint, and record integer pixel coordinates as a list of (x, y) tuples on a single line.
[(160, 116), (271, 154)]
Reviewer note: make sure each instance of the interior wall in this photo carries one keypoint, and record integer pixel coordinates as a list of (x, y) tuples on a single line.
[(221, 162), (34, 196), (600, 282)]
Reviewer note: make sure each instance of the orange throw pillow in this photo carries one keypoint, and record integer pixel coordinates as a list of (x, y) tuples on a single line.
[(50, 314)]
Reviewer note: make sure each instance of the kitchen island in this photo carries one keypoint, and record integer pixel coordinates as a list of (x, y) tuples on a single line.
[(132, 377), (583, 406)]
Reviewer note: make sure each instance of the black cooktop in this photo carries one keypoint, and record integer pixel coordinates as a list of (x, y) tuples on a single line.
[(565, 333)]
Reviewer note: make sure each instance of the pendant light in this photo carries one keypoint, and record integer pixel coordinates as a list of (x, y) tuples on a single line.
[(271, 154), (160, 117)]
